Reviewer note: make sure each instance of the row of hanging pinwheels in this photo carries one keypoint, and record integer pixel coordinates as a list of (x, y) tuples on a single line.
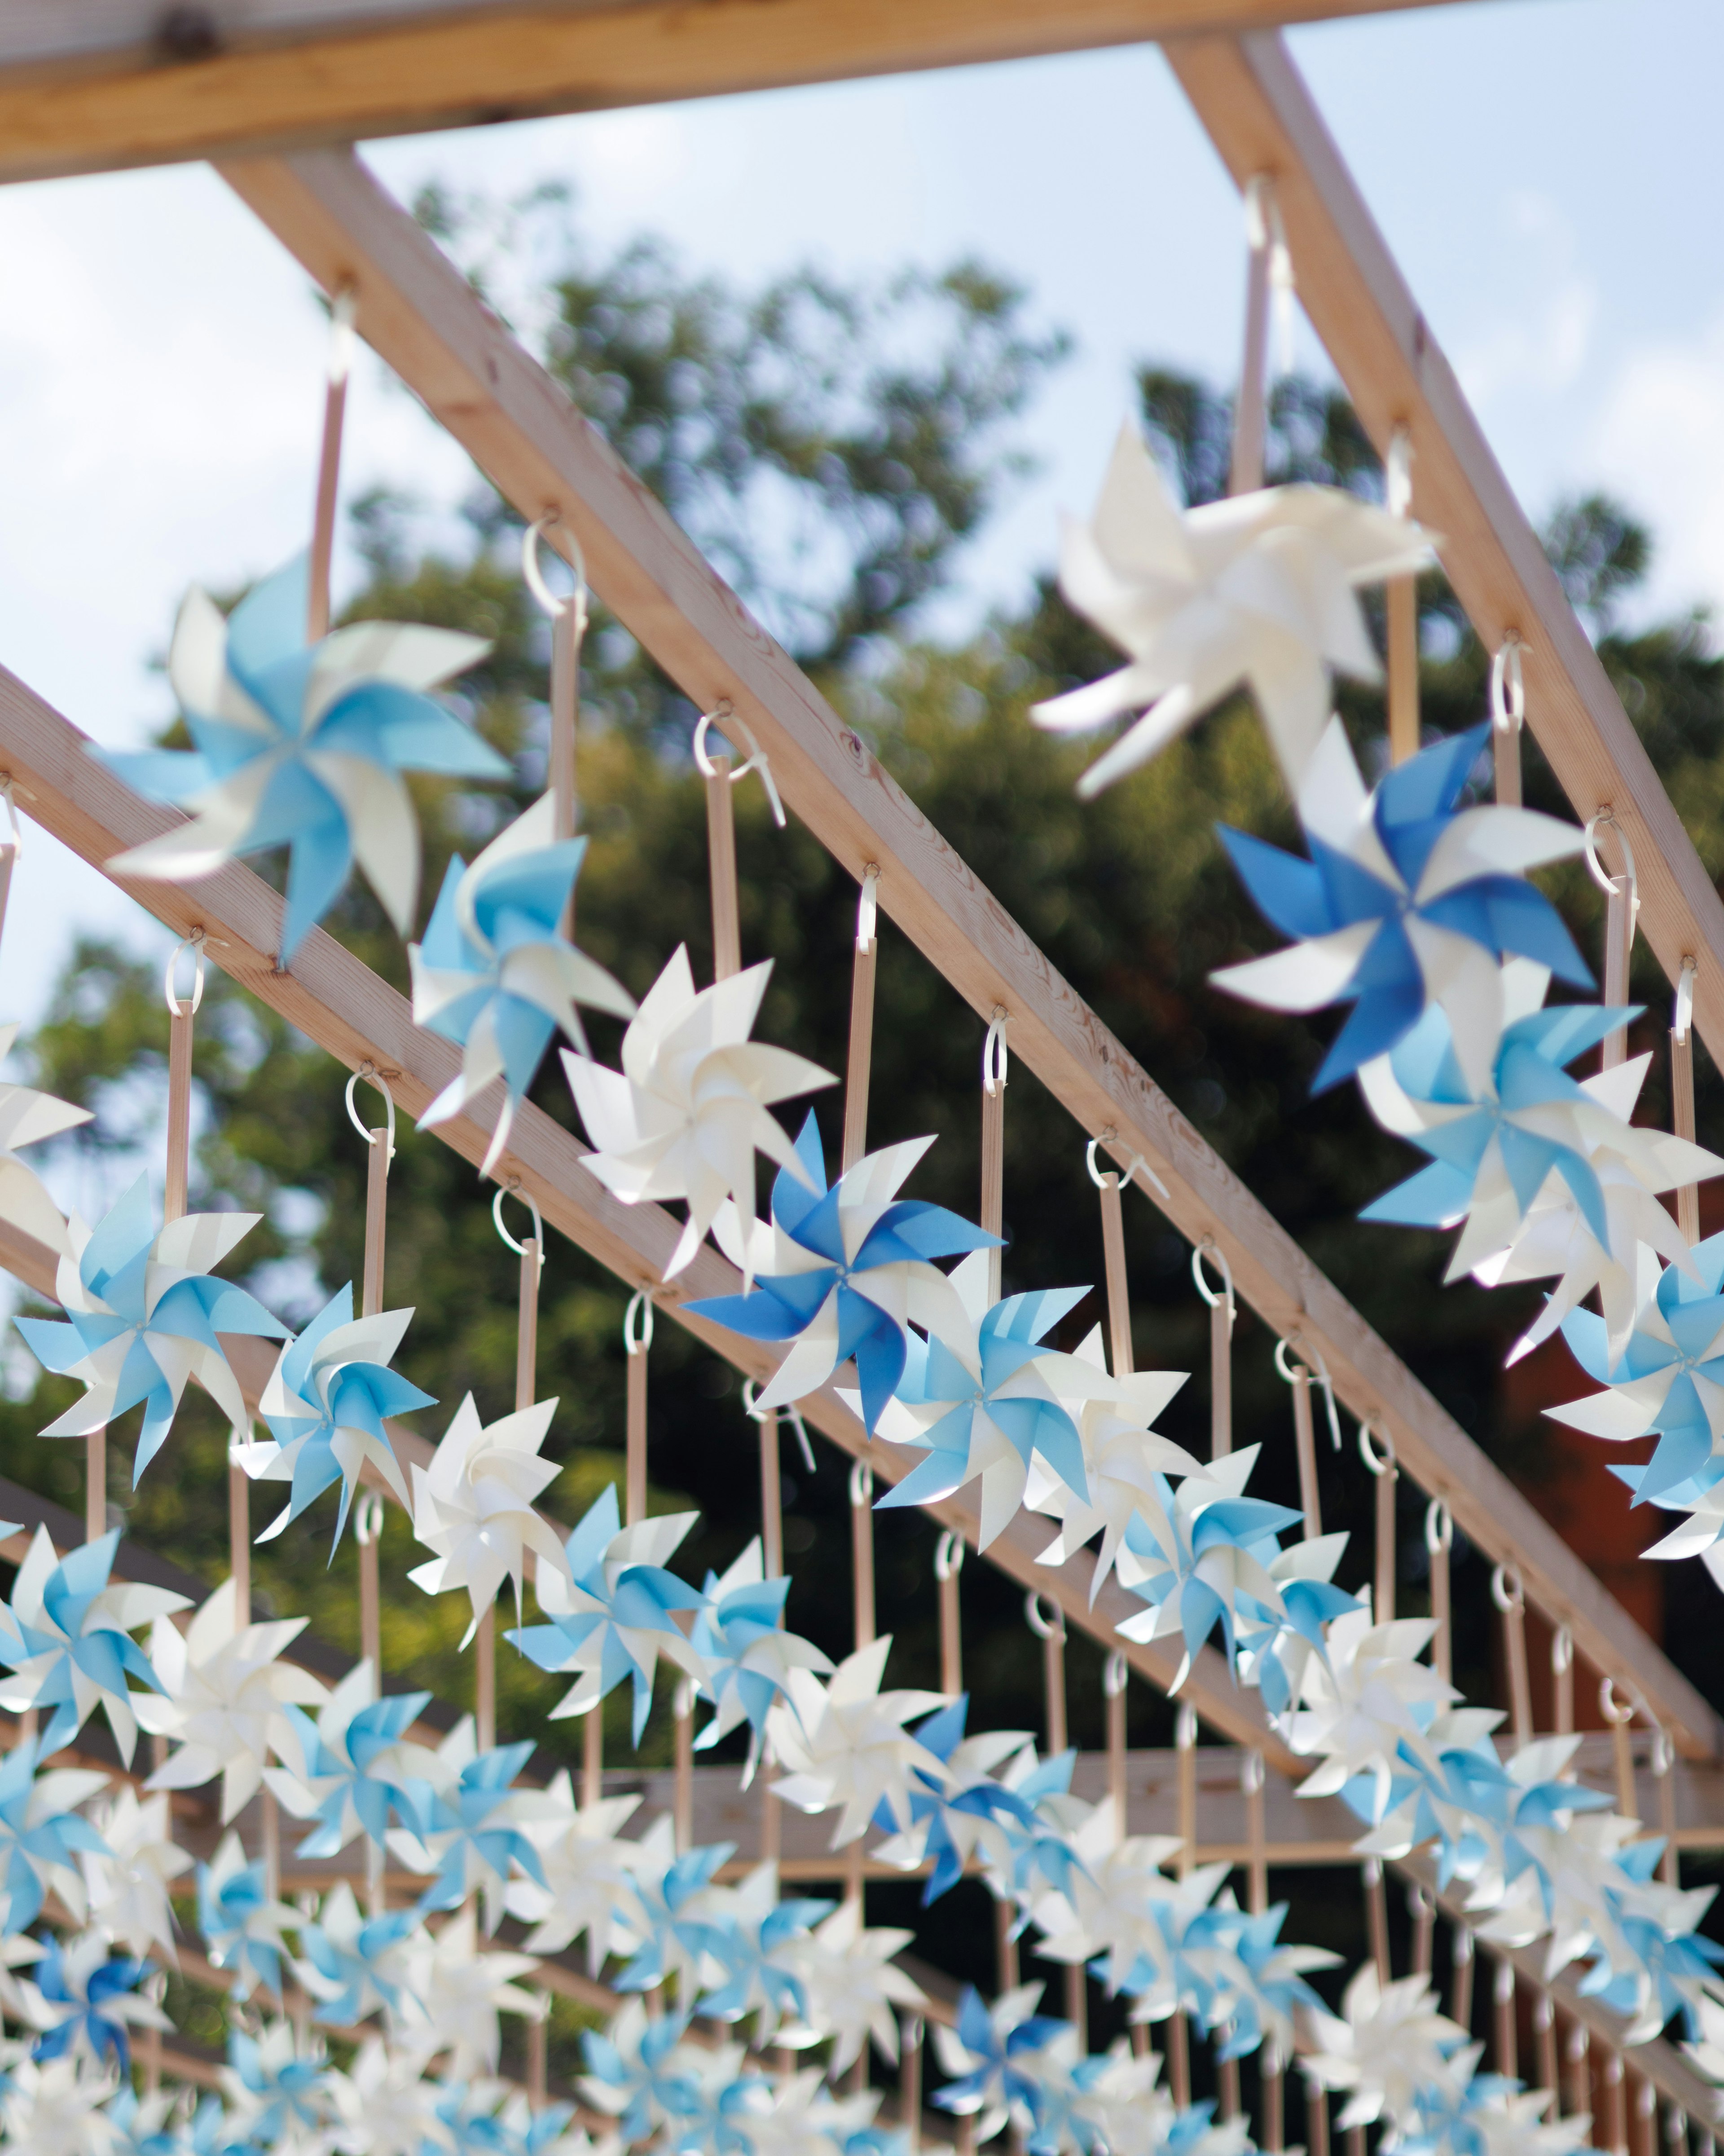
[(1409, 906)]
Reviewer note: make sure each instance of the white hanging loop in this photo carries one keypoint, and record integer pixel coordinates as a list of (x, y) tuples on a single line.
[(9, 791), (1562, 1649), (722, 717), (638, 1323), (1217, 1258), (513, 1189), (1618, 1713), (372, 1076), (1439, 1527), (534, 574), (754, 1413), (1601, 875), (1320, 1376), (861, 1485), (1379, 1463), (1045, 1628), (948, 1555), (1507, 1590), (1397, 473), (995, 1061), (1114, 1672), (196, 943), (367, 1518), (1683, 1016), (1136, 1165), (1508, 687), (867, 907), (1664, 1753), (343, 314)]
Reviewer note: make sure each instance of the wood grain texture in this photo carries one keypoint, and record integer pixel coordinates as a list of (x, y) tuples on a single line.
[(94, 85), (417, 312)]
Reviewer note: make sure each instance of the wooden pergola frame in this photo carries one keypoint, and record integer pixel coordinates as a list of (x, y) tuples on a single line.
[(103, 84)]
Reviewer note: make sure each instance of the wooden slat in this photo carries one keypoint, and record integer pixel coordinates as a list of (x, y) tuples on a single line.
[(1262, 119), (417, 311), (86, 85)]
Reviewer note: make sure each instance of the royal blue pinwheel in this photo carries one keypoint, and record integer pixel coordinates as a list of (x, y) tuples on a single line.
[(981, 1404), (326, 1402), (496, 975), (304, 746), (41, 1831), (613, 1616), (473, 1834), (851, 1269), (1407, 901), (93, 1999), (143, 1316)]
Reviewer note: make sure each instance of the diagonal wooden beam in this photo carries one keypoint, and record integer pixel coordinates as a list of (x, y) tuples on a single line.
[(87, 84), (420, 315), (1262, 119)]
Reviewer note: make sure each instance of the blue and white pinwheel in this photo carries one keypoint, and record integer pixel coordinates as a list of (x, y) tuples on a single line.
[(142, 1316), (1408, 900), (958, 1810), (642, 2073), (1266, 1987), (992, 2054), (274, 2086), (747, 1654), (41, 1832), (355, 1768), (756, 1942), (326, 1402), (1670, 1378), (985, 1403), (352, 1964), (93, 2000), (240, 1922), (496, 975), (610, 1618), (476, 1824), (674, 1909), (303, 747), (844, 1272), (67, 1638)]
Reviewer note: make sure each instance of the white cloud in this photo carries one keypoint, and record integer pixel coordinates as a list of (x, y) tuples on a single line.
[(1544, 342)]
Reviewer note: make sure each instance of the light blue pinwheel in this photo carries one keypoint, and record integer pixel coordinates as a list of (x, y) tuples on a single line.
[(278, 2089), (355, 1770), (950, 1811), (41, 1831), (612, 1617), (304, 746), (639, 2071), (94, 1997), (472, 1835), (1273, 1649), (982, 1405), (209, 2132), (666, 1916), (240, 1921), (327, 1401), (141, 2123), (1407, 901), (66, 1636), (739, 1635), (142, 1316), (1670, 1378), (992, 2054), (347, 1959), (1265, 1988), (852, 1271), (496, 975), (753, 1946)]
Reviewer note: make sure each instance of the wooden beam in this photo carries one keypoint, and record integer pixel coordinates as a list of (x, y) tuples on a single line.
[(419, 313), (1262, 119), (89, 85), (340, 1003)]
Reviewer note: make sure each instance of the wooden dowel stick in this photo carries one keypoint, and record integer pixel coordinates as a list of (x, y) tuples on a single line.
[(1221, 1324), (1505, 755), (909, 2079), (1255, 1774), (772, 1495), (484, 1681), (565, 711), (859, 1063), (1401, 596), (1563, 1679), (1077, 2003), (1511, 1600), (1423, 1912), (682, 1734), (1005, 1948), (1577, 2058), (377, 1190), (1114, 1678), (1051, 1632), (591, 1756), (1227, 2086), (1304, 1439), (1616, 2136), (179, 1113), (1185, 1743), (1275, 2123), (526, 1326), (1316, 2119), (1438, 1534), (1508, 713), (1250, 408), (1178, 2059), (721, 869), (239, 1540), (1504, 2035), (96, 1485), (1461, 1995), (993, 1149), (1682, 1123), (948, 1565), (537, 2031), (1376, 1916), (329, 466), (1544, 2044), (862, 1550), (271, 1812), (1618, 941), (1113, 1251), (1382, 1603), (635, 1457)]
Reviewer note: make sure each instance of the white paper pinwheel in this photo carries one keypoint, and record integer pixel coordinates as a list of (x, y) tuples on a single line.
[(28, 1117), (1546, 1172), (1123, 2107), (53, 2107), (326, 1402), (143, 1316), (844, 1743), (799, 2116), (1118, 1903), (687, 1113), (611, 1609), (985, 1403), (1258, 591), (845, 1272), (128, 1879), (67, 1636), (495, 975), (1393, 2044), (746, 1653), (1122, 1457), (1408, 900), (224, 1698), (473, 1507), (455, 1993), (586, 1869), (994, 2054), (1364, 1700), (852, 1983), (382, 2105), (303, 747)]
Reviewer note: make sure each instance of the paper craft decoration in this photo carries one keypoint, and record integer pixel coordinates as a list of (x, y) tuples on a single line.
[(128, 1879), (242, 1926), (473, 1824), (354, 1966), (325, 1403), (610, 1610), (1258, 590), (1408, 900), (1390, 2045), (273, 2083), (142, 1316), (495, 975), (28, 1117), (303, 747), (223, 1698), (41, 1834), (850, 1270), (473, 1507), (1367, 1698), (93, 2000), (67, 1639), (455, 1993), (985, 1403), (677, 1916), (852, 1983), (1667, 1377), (581, 1888), (960, 1811), (745, 1654), (384, 2102), (1546, 1171), (685, 1116), (987, 2053), (845, 1744), (355, 1769), (751, 1944)]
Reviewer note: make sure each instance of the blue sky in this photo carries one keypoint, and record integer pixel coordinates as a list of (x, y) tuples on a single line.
[(1547, 172)]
